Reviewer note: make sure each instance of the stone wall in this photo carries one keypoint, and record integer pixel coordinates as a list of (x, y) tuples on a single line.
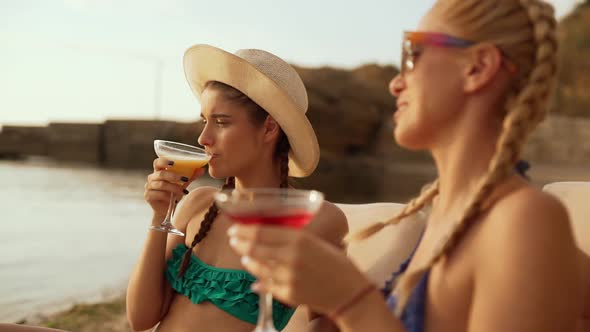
[(384, 172), (559, 140), (130, 144), (75, 142), (18, 141), (368, 179), (120, 143)]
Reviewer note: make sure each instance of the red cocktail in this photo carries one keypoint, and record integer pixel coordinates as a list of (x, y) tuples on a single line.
[(278, 207)]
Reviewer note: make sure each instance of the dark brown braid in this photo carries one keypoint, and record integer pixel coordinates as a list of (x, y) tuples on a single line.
[(282, 152), (204, 229)]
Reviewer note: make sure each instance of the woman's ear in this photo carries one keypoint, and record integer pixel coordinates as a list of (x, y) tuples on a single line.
[(272, 129), (484, 63)]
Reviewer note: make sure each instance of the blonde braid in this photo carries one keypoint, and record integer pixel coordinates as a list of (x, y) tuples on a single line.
[(525, 111), (415, 205)]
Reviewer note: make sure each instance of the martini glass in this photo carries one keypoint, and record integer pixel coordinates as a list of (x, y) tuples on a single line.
[(279, 207), (187, 159)]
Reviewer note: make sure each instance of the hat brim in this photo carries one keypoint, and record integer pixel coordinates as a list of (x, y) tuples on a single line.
[(204, 63)]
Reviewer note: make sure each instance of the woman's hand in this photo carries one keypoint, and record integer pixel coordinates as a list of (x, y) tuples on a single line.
[(304, 269), (162, 182)]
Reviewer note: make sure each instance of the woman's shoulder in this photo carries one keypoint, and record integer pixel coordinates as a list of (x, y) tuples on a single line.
[(525, 253), (530, 209), (330, 223), (201, 194), (527, 224), (332, 210), (196, 202)]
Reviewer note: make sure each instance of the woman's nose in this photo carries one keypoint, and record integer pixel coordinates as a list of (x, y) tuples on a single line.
[(396, 85), (205, 137)]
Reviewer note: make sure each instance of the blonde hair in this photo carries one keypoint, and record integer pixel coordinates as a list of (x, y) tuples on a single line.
[(524, 30)]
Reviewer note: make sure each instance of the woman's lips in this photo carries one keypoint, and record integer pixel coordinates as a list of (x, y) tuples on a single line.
[(401, 106)]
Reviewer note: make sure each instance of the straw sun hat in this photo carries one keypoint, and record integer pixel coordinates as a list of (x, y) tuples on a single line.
[(271, 83)]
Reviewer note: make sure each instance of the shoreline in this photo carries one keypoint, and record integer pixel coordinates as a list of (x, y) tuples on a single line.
[(104, 315)]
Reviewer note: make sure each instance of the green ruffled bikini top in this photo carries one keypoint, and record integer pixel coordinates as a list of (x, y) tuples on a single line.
[(228, 289)]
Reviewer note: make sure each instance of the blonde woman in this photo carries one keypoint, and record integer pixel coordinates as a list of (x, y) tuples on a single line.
[(497, 254)]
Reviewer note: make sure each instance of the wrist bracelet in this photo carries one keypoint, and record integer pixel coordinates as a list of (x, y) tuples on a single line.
[(362, 293)]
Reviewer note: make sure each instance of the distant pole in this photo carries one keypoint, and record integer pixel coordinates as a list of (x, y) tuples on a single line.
[(158, 89)]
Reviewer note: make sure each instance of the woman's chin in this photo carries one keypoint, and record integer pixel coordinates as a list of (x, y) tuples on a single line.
[(215, 174), (409, 140)]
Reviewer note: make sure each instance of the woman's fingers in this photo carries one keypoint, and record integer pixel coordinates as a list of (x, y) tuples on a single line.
[(157, 196), (273, 273), (167, 176), (296, 266), (279, 247), (165, 186), (271, 259), (277, 279), (164, 183), (161, 164), (260, 270)]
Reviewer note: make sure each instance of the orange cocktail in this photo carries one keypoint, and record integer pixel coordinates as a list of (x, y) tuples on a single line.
[(187, 159), (186, 167)]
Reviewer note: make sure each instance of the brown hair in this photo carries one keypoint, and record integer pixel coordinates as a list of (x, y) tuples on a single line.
[(524, 30), (258, 115)]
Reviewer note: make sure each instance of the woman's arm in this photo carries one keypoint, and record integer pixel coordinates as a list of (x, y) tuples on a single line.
[(369, 314), (147, 288), (148, 293), (526, 276), (330, 224)]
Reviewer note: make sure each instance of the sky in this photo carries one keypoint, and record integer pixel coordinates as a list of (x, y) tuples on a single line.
[(91, 60)]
